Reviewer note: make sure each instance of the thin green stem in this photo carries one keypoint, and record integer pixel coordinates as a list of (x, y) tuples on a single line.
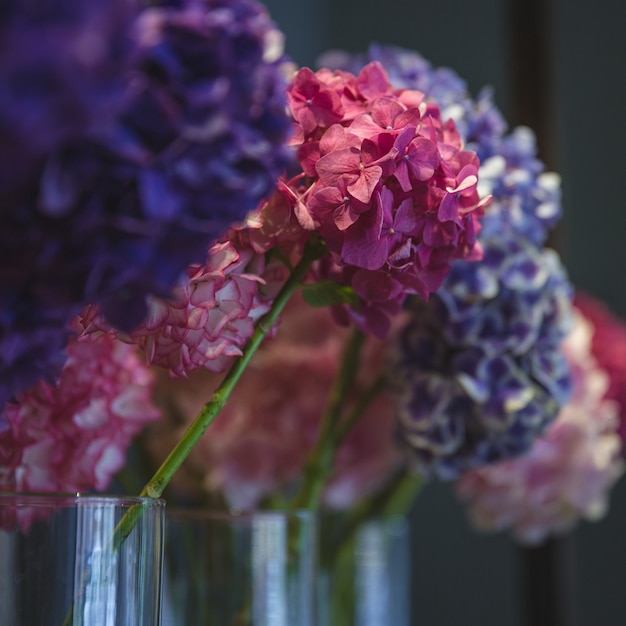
[(319, 463), (155, 486), (313, 250)]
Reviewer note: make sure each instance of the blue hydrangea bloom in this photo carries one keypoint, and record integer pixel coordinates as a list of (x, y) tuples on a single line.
[(479, 369)]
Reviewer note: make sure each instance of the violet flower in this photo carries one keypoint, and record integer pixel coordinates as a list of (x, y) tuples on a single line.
[(479, 372), (115, 216)]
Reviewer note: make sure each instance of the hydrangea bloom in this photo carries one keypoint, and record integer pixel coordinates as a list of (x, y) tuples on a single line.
[(72, 436), (525, 196), (568, 472), (258, 445), (386, 183), (479, 371), (113, 218), (209, 317), (212, 312)]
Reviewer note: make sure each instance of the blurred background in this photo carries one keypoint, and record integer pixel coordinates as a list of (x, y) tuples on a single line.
[(557, 66)]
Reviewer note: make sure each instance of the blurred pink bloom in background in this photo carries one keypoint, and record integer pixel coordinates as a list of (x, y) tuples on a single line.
[(608, 344)]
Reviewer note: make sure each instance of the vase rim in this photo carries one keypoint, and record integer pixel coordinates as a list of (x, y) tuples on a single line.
[(43, 498)]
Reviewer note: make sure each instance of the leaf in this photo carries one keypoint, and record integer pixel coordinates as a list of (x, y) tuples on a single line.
[(329, 293)]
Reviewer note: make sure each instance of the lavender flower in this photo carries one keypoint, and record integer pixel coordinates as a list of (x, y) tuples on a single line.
[(115, 216), (479, 368), (568, 473)]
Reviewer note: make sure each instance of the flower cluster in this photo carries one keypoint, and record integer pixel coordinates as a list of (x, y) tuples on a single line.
[(209, 316), (162, 222), (211, 313), (73, 435), (114, 216), (569, 470), (387, 183), (480, 371)]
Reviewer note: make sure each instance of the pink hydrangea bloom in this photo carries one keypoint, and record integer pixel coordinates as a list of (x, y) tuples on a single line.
[(213, 310), (211, 313), (386, 183), (568, 472), (72, 436), (608, 345), (258, 444)]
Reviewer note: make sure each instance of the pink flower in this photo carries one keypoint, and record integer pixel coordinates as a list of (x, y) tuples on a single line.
[(360, 168), (568, 472), (388, 185), (313, 104), (258, 444), (72, 436), (213, 310), (608, 345)]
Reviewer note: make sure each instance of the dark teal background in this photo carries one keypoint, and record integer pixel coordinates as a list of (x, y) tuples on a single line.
[(461, 578)]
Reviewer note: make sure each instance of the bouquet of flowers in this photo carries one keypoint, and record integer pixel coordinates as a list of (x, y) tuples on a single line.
[(345, 270)]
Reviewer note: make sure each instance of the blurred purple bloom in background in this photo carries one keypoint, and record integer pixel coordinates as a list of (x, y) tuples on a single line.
[(177, 131)]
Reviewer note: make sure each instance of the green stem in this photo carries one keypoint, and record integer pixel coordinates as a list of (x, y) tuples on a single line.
[(210, 411), (319, 463), (313, 250)]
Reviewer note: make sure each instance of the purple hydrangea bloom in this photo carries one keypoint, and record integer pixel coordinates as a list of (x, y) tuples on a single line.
[(525, 198), (114, 216), (480, 369), (62, 64)]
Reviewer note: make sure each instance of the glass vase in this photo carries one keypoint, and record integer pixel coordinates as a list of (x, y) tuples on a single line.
[(255, 569), (64, 564), (364, 572)]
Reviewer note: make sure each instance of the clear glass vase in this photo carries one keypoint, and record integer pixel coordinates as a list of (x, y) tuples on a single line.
[(255, 569), (364, 572), (64, 564)]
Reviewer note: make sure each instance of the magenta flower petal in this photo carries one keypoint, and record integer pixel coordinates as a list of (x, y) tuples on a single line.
[(333, 166), (367, 181)]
